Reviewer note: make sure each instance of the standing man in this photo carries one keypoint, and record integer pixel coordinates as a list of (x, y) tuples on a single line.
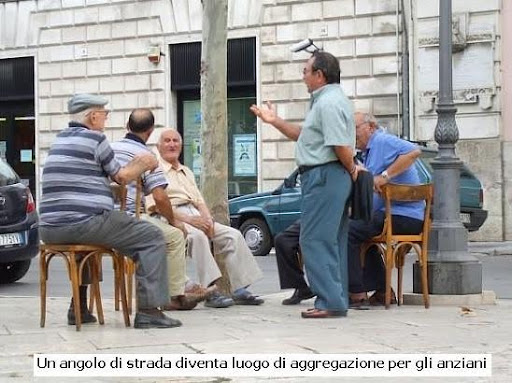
[(324, 154), (389, 159), (190, 207), (140, 127), (77, 207)]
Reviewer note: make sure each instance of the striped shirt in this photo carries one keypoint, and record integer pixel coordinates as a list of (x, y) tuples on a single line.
[(125, 150), (75, 184)]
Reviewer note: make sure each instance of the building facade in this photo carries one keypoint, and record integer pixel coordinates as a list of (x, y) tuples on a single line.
[(50, 49)]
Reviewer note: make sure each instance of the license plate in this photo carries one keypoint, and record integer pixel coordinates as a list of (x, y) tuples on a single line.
[(11, 239), (465, 217)]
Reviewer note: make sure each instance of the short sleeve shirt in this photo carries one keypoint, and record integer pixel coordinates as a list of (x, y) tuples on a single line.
[(75, 184), (182, 188), (328, 123), (382, 150), (125, 150)]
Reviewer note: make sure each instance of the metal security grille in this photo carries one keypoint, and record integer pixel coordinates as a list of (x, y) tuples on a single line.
[(17, 79), (186, 64)]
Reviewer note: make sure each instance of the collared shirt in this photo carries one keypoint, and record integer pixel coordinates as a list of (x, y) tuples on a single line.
[(125, 150), (329, 123), (381, 151), (182, 188), (75, 186)]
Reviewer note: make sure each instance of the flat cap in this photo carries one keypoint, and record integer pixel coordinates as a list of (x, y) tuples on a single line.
[(82, 101)]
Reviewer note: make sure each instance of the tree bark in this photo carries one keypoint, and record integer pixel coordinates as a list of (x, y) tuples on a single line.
[(214, 135)]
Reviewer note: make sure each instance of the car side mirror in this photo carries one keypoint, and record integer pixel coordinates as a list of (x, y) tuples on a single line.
[(289, 183)]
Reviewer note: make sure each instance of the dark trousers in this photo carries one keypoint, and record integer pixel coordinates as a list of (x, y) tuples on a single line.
[(373, 277), (290, 270)]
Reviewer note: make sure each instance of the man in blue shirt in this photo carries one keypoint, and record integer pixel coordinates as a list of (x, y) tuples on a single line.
[(389, 159), (324, 154)]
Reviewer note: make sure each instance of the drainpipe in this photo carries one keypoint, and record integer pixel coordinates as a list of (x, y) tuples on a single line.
[(406, 129)]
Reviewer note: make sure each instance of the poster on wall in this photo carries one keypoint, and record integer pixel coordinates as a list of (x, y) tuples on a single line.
[(244, 154)]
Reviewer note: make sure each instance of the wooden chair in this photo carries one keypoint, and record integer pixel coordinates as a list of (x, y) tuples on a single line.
[(394, 247), (130, 266), (76, 257)]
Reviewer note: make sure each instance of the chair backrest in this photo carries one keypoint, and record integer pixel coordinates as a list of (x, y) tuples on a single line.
[(119, 191), (408, 193)]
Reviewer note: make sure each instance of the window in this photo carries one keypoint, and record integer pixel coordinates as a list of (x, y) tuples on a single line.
[(242, 133)]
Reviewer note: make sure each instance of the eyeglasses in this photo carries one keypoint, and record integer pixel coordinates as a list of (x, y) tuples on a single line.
[(106, 111), (361, 124)]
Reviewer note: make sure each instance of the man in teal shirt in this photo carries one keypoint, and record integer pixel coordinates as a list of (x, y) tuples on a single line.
[(324, 154)]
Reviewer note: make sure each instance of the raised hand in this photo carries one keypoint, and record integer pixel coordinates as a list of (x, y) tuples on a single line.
[(266, 113)]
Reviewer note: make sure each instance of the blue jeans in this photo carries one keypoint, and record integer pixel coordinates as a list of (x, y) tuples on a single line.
[(324, 233)]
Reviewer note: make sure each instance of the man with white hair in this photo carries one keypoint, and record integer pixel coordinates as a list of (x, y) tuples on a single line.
[(77, 206), (190, 208)]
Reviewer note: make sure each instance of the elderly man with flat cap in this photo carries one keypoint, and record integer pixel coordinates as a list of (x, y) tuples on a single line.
[(77, 207)]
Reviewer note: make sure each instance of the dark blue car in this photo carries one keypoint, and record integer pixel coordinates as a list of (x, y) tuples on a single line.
[(261, 216), (19, 237)]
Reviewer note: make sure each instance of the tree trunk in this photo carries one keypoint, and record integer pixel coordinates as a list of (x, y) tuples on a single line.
[(214, 135)]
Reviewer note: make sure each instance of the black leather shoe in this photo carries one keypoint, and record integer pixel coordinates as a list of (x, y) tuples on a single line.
[(298, 296), (143, 320), (87, 317)]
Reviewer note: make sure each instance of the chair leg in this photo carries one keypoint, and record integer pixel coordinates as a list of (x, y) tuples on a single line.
[(43, 275), (389, 269), (117, 292), (121, 287), (400, 275), (73, 276), (129, 288), (424, 278), (95, 286), (130, 271)]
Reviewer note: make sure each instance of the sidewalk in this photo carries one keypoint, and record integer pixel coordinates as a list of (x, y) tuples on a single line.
[(491, 248), (271, 328)]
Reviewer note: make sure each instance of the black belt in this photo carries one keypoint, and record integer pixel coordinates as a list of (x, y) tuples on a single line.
[(305, 168)]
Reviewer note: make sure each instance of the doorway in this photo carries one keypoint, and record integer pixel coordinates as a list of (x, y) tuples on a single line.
[(17, 140), (17, 117)]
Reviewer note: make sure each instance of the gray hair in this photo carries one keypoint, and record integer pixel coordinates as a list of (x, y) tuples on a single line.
[(369, 118), (82, 115)]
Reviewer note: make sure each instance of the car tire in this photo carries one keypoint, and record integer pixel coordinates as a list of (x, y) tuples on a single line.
[(257, 236), (13, 271)]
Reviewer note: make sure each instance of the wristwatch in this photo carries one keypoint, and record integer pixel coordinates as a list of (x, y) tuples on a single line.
[(385, 175)]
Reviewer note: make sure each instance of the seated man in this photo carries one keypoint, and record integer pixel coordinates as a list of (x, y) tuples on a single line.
[(140, 126), (190, 207), (77, 207), (291, 274), (389, 159)]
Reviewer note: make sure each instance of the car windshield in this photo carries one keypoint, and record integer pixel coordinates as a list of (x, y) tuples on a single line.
[(7, 175)]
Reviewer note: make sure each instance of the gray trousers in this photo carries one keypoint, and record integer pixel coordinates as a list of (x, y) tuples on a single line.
[(137, 239)]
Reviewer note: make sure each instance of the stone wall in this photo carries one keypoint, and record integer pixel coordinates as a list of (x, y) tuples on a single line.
[(476, 86), (361, 33), (101, 46)]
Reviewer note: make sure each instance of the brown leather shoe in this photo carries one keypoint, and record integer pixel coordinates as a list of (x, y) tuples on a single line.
[(379, 298), (179, 302), (198, 293), (321, 314)]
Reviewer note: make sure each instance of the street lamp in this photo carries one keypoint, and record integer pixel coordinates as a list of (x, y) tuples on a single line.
[(451, 269)]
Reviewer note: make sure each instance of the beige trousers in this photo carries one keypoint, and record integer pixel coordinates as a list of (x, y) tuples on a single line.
[(175, 251), (240, 263)]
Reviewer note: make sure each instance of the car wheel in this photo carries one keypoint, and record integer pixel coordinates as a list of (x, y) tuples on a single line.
[(257, 236), (12, 271)]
